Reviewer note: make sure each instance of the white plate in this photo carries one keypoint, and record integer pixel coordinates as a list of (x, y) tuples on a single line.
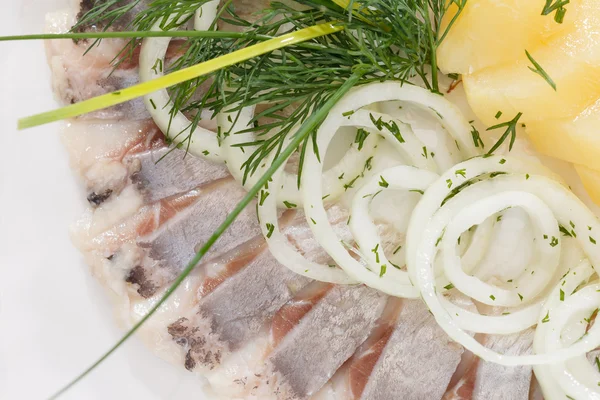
[(54, 318)]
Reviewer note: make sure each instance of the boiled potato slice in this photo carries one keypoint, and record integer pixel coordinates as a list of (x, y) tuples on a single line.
[(571, 60), (575, 140), (591, 181), (490, 32)]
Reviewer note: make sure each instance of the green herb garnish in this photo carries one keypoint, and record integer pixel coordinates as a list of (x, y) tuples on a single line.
[(540, 71)]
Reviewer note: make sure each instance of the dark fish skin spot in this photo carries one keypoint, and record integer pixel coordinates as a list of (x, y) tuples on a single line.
[(194, 343), (207, 357), (137, 276), (183, 342), (176, 328), (190, 364), (85, 7), (118, 24), (139, 181), (96, 199)]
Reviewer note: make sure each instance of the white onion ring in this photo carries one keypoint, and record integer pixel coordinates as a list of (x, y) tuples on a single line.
[(345, 109), (352, 162), (410, 146), (202, 142), (382, 275), (567, 378), (280, 247), (477, 213), (205, 15), (427, 224), (478, 246), (447, 152)]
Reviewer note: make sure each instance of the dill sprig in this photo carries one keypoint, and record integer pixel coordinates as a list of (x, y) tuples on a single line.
[(388, 39), (558, 6), (540, 71), (511, 130)]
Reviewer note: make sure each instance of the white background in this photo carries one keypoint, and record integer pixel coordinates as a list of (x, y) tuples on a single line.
[(54, 319)]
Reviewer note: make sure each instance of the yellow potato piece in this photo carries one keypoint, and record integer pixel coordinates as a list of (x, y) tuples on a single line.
[(572, 60), (574, 140), (591, 181), (490, 32)]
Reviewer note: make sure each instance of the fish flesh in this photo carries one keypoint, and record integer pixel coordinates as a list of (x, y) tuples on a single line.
[(485, 380), (84, 69), (250, 326)]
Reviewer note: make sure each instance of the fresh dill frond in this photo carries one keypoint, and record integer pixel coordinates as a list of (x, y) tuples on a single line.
[(102, 14), (540, 71), (558, 6), (476, 137), (387, 39), (111, 14), (511, 130)]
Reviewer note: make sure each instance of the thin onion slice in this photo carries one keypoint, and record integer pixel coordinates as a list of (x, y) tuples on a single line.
[(205, 15), (344, 111), (200, 142), (233, 126), (381, 273), (431, 217), (476, 213), (566, 378), (478, 245), (280, 247), (397, 134)]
